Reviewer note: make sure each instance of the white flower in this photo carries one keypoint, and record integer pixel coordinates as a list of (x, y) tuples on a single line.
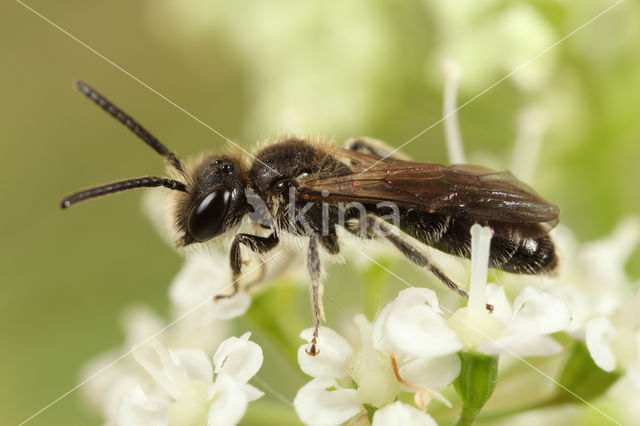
[(112, 375), (592, 278), (614, 343), (185, 391), (401, 414), (204, 276), (368, 364), (521, 330), (526, 326), (323, 402)]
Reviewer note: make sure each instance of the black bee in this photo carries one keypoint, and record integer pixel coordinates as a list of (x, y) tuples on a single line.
[(310, 189)]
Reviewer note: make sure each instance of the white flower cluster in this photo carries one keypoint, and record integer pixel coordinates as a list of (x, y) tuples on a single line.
[(171, 378), (413, 346), (608, 306)]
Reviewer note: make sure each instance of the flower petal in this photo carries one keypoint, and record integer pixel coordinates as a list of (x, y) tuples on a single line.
[(401, 414), (433, 373), (634, 376), (599, 333), (231, 307), (239, 358), (200, 329), (315, 405), (522, 346), (332, 360), (199, 278), (139, 323), (202, 278), (253, 393), (161, 367), (604, 260), (192, 406), (138, 408), (372, 370), (408, 326), (230, 402), (194, 362), (501, 306), (105, 386), (536, 312)]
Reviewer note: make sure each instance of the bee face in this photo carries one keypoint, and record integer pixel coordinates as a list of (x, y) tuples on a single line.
[(215, 200)]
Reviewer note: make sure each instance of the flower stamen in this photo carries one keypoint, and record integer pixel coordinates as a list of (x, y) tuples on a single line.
[(480, 245), (423, 394)]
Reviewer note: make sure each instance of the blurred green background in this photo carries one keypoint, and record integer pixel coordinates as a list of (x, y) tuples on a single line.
[(245, 68)]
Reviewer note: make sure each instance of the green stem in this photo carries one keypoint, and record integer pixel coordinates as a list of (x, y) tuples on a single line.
[(467, 416), (475, 384)]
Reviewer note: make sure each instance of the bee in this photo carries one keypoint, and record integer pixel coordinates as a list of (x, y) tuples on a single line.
[(310, 189)]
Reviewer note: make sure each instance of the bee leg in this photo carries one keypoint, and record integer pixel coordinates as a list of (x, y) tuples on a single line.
[(411, 252), (259, 279), (374, 147), (315, 271), (256, 244)]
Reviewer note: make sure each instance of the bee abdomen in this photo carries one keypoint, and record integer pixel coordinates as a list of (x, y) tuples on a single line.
[(531, 256), (451, 235)]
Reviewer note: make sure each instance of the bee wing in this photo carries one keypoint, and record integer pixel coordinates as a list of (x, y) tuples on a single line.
[(475, 192)]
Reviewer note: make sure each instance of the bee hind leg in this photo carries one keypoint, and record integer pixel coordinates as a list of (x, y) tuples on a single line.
[(374, 147), (383, 229), (256, 244)]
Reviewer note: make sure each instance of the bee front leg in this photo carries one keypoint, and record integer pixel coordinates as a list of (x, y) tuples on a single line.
[(315, 272), (256, 244)]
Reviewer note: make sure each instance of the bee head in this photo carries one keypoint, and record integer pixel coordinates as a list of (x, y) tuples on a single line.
[(214, 202)]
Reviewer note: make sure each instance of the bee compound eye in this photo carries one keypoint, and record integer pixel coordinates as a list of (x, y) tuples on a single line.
[(207, 215)]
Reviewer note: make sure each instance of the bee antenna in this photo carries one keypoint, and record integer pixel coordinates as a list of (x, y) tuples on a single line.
[(123, 185), (131, 124)]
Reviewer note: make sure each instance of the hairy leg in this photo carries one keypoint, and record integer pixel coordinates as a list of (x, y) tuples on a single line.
[(256, 244), (382, 229), (315, 271), (374, 147)]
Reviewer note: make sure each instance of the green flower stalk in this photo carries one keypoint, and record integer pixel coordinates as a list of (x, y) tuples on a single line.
[(475, 384)]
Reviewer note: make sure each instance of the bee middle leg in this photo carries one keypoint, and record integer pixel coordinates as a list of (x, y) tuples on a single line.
[(256, 244), (315, 272)]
